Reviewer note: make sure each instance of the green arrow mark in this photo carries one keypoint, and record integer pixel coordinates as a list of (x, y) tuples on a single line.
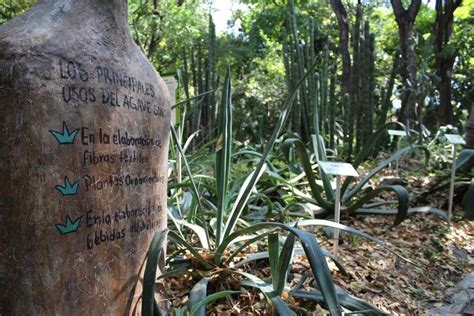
[(70, 226), (65, 137), (68, 189)]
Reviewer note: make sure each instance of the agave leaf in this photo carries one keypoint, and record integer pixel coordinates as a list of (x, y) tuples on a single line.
[(310, 222), (464, 156), (401, 193), (320, 151), (284, 264), (179, 240), (209, 299), (313, 252), (272, 297), (422, 209), (275, 176), (320, 268), (306, 212), (300, 284), (189, 140), (155, 252), (176, 272), (200, 232), (336, 262), (234, 191), (244, 245), (308, 168), (188, 169), (175, 221), (286, 148), (320, 223), (266, 199), (316, 190), (368, 147), (242, 198), (296, 179), (223, 153), (380, 203), (256, 154), (274, 257), (285, 112), (348, 301), (179, 311), (198, 293), (349, 195), (307, 222), (468, 201), (256, 256)]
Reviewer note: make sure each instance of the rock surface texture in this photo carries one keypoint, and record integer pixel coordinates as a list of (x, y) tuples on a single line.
[(84, 122)]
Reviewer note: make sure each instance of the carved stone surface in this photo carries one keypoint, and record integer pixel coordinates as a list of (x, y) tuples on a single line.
[(84, 121)]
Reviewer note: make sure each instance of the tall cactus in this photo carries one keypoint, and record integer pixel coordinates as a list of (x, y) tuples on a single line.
[(371, 83), (386, 97), (311, 110), (366, 125), (295, 64), (362, 98), (355, 86), (332, 110), (199, 74)]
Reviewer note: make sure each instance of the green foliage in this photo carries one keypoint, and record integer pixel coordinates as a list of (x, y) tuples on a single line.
[(164, 29), (463, 43), (324, 196), (235, 234), (228, 188), (11, 8), (155, 258)]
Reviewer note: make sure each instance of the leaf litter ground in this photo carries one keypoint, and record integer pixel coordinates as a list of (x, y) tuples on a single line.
[(444, 257)]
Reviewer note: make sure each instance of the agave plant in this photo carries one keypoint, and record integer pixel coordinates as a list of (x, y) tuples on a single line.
[(353, 194), (219, 247)]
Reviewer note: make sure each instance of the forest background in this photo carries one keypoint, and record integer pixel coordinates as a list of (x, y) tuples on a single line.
[(170, 32), (375, 62)]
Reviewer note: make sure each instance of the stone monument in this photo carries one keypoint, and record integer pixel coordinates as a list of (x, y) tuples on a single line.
[(84, 122)]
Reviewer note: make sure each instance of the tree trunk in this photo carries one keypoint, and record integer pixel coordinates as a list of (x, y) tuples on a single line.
[(443, 30), (405, 20), (342, 20), (470, 129), (444, 72), (84, 121), (470, 138)]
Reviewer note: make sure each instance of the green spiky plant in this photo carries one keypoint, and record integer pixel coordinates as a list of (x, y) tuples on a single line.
[(219, 247), (199, 76), (353, 195), (313, 102)]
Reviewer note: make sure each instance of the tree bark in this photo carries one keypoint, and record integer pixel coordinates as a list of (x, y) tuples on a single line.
[(470, 129), (342, 20), (470, 139), (443, 30), (405, 20)]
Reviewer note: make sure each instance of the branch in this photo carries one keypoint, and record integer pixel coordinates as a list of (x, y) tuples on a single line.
[(413, 9), (398, 8), (339, 10), (451, 6)]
